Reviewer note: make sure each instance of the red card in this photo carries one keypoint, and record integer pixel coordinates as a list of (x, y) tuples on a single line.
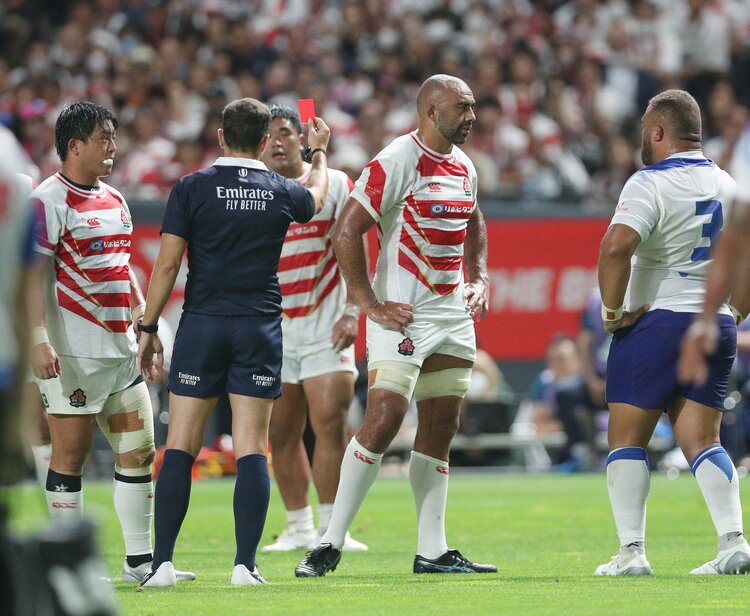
[(306, 109)]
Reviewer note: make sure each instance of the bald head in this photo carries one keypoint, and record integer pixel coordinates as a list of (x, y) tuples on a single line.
[(434, 89), (445, 105), (679, 113)]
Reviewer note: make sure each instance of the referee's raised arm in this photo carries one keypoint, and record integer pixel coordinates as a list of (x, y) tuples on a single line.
[(317, 138)]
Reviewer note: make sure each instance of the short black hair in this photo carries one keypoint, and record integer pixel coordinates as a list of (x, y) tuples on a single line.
[(680, 112), (286, 113), (245, 122), (78, 121)]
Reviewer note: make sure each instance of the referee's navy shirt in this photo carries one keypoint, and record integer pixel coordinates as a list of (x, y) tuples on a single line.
[(234, 216)]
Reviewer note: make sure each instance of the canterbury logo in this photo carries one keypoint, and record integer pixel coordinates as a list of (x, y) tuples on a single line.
[(94, 222), (434, 187), (362, 457), (64, 505), (443, 470)]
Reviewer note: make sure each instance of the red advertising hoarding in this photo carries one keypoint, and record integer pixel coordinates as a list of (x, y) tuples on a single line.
[(541, 273)]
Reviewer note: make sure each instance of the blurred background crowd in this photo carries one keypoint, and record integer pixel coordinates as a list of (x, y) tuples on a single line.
[(560, 85)]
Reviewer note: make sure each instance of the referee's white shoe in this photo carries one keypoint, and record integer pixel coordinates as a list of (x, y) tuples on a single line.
[(136, 574)]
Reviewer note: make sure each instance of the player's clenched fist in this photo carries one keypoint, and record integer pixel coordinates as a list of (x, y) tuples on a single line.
[(391, 315)]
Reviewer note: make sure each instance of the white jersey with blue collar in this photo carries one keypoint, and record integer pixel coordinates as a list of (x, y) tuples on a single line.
[(678, 206)]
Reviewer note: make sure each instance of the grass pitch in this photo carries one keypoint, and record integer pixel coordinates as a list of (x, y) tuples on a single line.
[(545, 533)]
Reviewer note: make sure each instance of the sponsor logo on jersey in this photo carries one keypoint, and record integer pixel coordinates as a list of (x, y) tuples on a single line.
[(297, 230), (261, 380), (442, 470), (435, 187), (125, 220), (362, 457), (96, 246), (188, 379), (94, 222), (78, 398), (467, 187), (406, 347), (437, 209), (242, 198)]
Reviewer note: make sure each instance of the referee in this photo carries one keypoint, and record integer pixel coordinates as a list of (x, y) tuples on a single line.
[(233, 217)]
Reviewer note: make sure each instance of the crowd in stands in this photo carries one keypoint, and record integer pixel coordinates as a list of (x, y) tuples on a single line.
[(560, 85)]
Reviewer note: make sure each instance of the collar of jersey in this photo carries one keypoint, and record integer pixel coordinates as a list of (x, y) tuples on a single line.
[(233, 161), (83, 192), (436, 155), (687, 154)]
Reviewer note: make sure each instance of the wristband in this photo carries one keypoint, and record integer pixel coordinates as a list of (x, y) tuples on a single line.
[(352, 310), (611, 314), (307, 155), (136, 314), (39, 336), (148, 329), (738, 316)]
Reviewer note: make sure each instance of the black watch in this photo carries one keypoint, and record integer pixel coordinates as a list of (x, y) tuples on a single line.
[(148, 329), (307, 155)]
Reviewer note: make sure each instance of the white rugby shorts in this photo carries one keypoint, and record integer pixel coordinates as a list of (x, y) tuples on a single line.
[(305, 361), (85, 383), (455, 338)]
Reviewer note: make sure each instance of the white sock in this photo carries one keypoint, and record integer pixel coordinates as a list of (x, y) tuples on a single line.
[(133, 496), (629, 481), (429, 483), (300, 519), (359, 468), (324, 516), (41, 454), (717, 478)]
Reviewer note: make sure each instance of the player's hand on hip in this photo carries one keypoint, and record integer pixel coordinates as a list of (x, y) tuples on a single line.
[(44, 362), (150, 346), (477, 296), (700, 341), (344, 333), (628, 319), (318, 133), (391, 315)]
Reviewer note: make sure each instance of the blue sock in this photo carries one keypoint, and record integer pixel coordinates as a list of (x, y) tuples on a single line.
[(172, 497), (252, 492)]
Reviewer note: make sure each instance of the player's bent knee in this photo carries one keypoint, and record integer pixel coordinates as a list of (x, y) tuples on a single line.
[(128, 425), (398, 377), (441, 383)]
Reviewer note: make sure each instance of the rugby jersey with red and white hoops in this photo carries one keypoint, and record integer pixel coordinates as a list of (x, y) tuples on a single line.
[(312, 290), (87, 233), (422, 201)]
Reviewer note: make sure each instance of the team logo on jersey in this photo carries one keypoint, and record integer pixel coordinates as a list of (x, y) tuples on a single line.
[(125, 220), (467, 187), (435, 187), (94, 222), (243, 172), (406, 347), (437, 209), (362, 457), (78, 398)]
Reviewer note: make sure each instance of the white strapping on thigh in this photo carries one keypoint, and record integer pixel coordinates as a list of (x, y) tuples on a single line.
[(448, 382), (396, 376)]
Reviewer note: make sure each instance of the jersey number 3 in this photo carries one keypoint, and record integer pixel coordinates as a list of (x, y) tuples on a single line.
[(710, 229)]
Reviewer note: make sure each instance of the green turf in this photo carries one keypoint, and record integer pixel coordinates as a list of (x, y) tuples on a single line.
[(545, 533)]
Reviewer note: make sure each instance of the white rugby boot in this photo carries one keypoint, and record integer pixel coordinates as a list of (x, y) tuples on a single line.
[(242, 576), (293, 539), (733, 560), (164, 576), (136, 574), (629, 562)]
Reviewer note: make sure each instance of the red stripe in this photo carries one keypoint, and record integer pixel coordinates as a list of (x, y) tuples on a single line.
[(117, 273), (103, 200), (428, 167), (112, 300), (375, 185), (308, 230), (437, 237), (68, 303), (302, 286), (302, 259), (68, 259), (444, 209), (409, 265), (445, 264), (302, 311)]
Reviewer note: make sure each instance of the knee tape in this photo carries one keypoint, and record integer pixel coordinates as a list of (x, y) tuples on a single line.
[(448, 382), (396, 376), (127, 421)]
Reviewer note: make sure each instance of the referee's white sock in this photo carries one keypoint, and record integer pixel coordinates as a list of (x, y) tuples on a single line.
[(429, 483), (42, 455), (629, 482), (133, 496), (717, 478), (359, 468)]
